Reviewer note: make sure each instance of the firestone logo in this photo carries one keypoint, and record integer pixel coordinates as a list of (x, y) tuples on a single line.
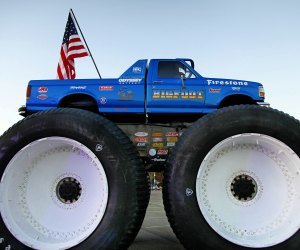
[(235, 83)]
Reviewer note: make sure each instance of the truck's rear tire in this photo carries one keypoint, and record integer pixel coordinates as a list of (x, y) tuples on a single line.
[(70, 179), (233, 181)]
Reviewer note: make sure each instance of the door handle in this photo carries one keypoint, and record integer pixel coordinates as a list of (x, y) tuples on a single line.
[(158, 81)]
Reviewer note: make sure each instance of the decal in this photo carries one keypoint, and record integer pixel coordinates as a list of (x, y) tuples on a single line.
[(172, 139), (130, 81), (142, 151), (137, 70), (157, 134), (103, 100), (125, 93), (236, 88), (106, 88), (172, 133), (157, 139), (162, 152), (142, 134), (98, 147), (214, 90), (157, 145), (158, 159), (140, 139), (177, 94), (42, 89), (42, 97), (217, 82), (170, 144), (78, 87), (141, 144), (189, 192), (152, 152)]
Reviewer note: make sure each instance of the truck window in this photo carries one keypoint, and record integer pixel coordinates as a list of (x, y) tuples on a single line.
[(173, 69)]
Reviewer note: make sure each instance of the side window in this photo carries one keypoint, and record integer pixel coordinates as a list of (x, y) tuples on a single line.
[(173, 69)]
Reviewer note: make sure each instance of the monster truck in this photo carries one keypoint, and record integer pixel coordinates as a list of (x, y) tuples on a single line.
[(74, 171), (153, 105)]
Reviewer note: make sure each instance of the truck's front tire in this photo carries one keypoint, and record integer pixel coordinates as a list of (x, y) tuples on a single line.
[(233, 181), (69, 179)]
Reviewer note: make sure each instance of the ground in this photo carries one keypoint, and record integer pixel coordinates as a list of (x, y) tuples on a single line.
[(156, 232)]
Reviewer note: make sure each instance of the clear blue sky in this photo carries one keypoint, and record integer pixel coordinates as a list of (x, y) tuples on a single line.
[(256, 40)]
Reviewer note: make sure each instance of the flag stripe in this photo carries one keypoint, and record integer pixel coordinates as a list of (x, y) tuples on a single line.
[(64, 63), (77, 53), (80, 49)]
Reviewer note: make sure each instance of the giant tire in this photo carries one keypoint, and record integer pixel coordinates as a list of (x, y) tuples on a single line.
[(233, 181), (69, 179)]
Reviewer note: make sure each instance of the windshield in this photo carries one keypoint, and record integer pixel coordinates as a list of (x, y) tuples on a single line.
[(174, 69)]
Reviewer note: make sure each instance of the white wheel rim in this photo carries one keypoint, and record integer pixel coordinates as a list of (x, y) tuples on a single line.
[(270, 214), (35, 190)]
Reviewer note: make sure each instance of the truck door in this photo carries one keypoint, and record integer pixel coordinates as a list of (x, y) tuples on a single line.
[(174, 88)]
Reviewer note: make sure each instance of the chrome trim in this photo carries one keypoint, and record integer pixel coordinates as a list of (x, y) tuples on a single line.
[(263, 104)]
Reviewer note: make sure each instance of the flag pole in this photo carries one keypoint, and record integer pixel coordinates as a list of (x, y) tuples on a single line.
[(73, 15)]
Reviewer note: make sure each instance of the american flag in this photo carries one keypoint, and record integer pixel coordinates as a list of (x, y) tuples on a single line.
[(72, 47)]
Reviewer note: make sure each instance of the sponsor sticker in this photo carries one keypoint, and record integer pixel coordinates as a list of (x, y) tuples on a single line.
[(42, 89), (172, 133), (130, 81), (158, 159), (141, 144), (106, 88), (141, 134), (162, 152), (103, 100), (226, 82), (170, 144), (172, 139), (42, 97), (77, 87), (142, 152), (157, 145), (136, 69), (157, 134), (152, 152), (211, 90), (140, 139), (125, 94), (157, 139)]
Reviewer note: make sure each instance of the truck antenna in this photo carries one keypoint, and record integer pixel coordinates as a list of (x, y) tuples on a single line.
[(73, 15)]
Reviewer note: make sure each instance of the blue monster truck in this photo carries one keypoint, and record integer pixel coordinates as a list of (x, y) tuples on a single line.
[(74, 170), (168, 92), (166, 88)]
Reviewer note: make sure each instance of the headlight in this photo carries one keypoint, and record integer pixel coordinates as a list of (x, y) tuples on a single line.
[(261, 92)]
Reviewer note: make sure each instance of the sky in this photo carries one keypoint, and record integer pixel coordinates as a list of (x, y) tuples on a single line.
[(254, 40)]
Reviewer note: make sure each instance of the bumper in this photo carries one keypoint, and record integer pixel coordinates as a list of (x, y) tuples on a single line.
[(23, 111), (263, 104)]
